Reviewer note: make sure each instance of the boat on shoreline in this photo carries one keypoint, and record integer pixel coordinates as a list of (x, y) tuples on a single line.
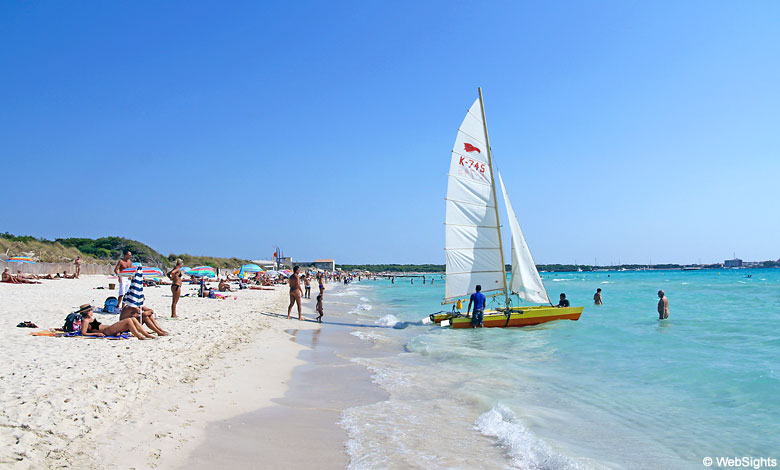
[(473, 244)]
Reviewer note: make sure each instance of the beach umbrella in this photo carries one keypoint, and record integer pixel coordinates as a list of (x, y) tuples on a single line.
[(249, 268), (137, 264), (21, 259), (146, 271), (135, 294), (202, 271)]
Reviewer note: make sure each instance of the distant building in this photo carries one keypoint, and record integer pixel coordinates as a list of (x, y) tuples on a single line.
[(264, 263), (324, 264), (733, 263)]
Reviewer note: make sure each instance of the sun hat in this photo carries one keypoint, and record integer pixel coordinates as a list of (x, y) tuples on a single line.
[(84, 308)]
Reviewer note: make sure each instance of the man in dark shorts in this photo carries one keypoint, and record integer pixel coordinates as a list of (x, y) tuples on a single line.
[(478, 300), (563, 302)]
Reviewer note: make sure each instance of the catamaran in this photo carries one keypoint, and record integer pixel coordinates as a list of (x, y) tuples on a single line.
[(473, 245)]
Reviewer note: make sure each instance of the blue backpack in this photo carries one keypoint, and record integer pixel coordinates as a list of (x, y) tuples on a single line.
[(111, 305)]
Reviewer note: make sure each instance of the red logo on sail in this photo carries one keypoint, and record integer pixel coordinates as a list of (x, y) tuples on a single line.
[(470, 148)]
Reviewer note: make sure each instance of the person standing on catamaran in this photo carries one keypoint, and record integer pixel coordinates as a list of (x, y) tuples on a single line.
[(478, 300)]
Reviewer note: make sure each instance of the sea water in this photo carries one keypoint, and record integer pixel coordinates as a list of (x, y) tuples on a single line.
[(616, 389)]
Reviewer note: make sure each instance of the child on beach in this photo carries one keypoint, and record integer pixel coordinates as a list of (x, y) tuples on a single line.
[(319, 308)]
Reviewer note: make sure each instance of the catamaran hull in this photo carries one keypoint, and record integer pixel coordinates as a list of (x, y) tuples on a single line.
[(518, 317)]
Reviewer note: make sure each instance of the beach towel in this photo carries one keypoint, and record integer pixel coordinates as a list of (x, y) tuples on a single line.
[(135, 293), (78, 333), (60, 334)]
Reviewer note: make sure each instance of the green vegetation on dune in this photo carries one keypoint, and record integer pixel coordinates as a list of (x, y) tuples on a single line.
[(101, 250), (193, 261)]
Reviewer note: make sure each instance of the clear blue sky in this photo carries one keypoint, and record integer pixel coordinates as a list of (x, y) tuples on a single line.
[(625, 131)]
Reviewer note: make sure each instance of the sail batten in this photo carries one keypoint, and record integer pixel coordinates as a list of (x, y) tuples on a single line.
[(525, 282), (472, 243)]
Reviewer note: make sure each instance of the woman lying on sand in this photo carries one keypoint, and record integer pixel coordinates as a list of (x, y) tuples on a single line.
[(148, 318), (92, 327)]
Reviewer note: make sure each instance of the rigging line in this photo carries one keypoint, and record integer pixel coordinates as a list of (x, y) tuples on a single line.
[(466, 202), (476, 226), (460, 178), (455, 273), (471, 136), (474, 248)]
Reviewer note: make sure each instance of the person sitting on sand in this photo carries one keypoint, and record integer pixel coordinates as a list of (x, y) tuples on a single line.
[(8, 278), (92, 327), (129, 311), (224, 286), (319, 308)]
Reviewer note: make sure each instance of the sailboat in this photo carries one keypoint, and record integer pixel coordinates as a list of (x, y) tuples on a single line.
[(473, 244)]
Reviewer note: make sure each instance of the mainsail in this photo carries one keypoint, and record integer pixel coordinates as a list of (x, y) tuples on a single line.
[(472, 238), (525, 282)]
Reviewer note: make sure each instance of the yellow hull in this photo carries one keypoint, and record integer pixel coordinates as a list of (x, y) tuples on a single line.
[(518, 316)]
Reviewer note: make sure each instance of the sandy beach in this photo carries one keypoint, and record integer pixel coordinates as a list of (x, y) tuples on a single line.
[(99, 403)]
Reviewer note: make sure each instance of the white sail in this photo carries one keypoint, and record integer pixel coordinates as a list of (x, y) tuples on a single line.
[(472, 246), (525, 282)]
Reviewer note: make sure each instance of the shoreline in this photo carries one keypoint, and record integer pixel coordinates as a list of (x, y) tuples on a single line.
[(289, 384)]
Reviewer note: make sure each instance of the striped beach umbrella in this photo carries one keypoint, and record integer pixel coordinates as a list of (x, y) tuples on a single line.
[(135, 294), (146, 271), (202, 271), (21, 259)]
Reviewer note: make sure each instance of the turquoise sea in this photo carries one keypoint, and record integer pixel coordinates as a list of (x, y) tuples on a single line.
[(616, 389)]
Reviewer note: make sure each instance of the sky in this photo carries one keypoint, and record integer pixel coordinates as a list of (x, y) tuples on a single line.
[(626, 132)]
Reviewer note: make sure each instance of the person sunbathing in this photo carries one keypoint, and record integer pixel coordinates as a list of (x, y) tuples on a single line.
[(92, 327), (128, 311), (22, 280), (8, 278), (224, 286)]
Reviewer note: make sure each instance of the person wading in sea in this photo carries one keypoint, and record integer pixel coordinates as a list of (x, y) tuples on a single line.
[(663, 306), (597, 297), (478, 300), (295, 292)]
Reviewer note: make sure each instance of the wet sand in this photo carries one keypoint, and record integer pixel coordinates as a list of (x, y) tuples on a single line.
[(301, 429)]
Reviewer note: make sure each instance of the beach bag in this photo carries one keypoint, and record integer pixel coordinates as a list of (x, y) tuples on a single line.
[(111, 305), (72, 323)]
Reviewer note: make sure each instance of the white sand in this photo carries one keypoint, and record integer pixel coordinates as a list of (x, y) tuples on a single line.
[(97, 403)]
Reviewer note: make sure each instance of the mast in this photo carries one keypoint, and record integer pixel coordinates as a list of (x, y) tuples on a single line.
[(495, 199)]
